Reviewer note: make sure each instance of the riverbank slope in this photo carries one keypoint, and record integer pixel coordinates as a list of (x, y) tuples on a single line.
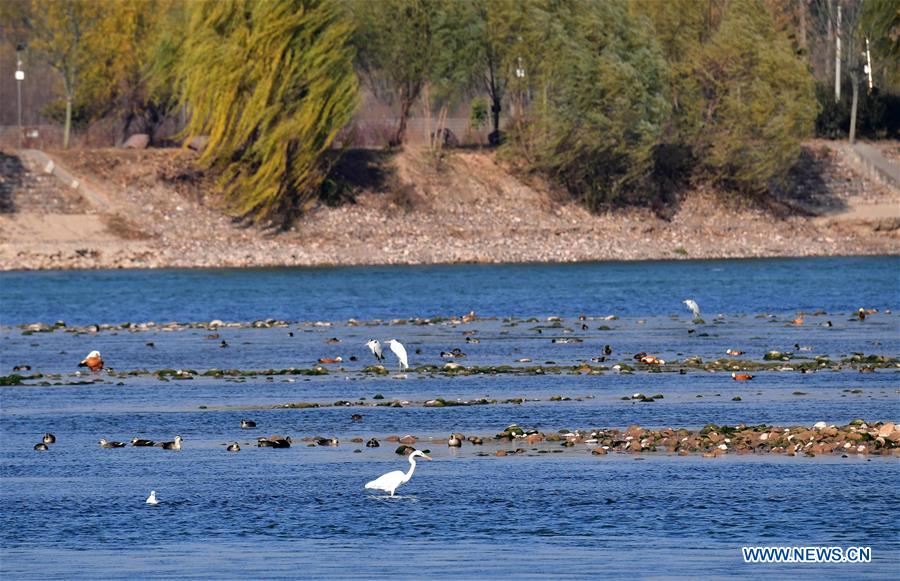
[(151, 209)]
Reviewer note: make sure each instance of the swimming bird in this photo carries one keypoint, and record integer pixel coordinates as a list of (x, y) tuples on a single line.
[(49, 438), (135, 441), (400, 351), (356, 417), (693, 306), (375, 347), (22, 368), (41, 447), (798, 321), (234, 447), (152, 498), (104, 443), (274, 442), (176, 445), (741, 376), (247, 424), (373, 443), (392, 480), (607, 350), (328, 442), (454, 442), (456, 352), (861, 313), (733, 352), (93, 361)]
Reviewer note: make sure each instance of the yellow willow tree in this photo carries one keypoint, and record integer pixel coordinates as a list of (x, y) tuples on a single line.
[(270, 83), (123, 42)]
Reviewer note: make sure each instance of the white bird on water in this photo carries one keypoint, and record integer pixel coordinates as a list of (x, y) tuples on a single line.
[(400, 351), (693, 306), (392, 480), (152, 498), (375, 347)]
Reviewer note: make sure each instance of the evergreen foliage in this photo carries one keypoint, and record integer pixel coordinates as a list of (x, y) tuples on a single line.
[(759, 100), (597, 107)]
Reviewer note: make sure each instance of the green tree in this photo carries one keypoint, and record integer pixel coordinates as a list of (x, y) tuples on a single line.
[(682, 29), (60, 31), (597, 77), (477, 44), (758, 99), (270, 84), (395, 49)]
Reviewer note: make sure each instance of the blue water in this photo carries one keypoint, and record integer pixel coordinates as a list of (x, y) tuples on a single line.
[(626, 288), (78, 510)]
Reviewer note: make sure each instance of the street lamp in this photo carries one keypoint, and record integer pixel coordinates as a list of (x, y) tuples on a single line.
[(20, 76)]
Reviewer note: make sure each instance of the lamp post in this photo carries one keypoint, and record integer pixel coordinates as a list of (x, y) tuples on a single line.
[(20, 76)]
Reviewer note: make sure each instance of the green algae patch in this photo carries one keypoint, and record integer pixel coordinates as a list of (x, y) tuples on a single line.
[(297, 405), (376, 370), (14, 379)]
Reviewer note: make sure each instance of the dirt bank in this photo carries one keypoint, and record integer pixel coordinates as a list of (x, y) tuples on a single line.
[(150, 209)]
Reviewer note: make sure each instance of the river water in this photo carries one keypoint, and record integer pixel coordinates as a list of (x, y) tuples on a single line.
[(78, 510)]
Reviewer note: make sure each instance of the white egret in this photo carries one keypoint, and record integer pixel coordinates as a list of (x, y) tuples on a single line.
[(693, 306), (392, 480), (152, 498), (375, 347), (400, 351)]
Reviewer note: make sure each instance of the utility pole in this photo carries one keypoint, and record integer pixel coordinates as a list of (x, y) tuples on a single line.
[(20, 76), (837, 57)]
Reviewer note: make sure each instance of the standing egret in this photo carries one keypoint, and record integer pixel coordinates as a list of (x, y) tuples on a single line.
[(375, 347), (392, 480), (400, 351), (693, 306), (152, 498)]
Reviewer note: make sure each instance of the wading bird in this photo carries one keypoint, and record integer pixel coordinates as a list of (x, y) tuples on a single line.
[(693, 306), (93, 361), (392, 480), (400, 351), (375, 347)]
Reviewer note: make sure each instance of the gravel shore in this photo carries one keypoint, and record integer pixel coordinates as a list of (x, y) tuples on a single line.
[(471, 209)]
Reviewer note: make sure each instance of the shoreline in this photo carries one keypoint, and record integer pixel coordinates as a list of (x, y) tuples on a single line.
[(364, 265)]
